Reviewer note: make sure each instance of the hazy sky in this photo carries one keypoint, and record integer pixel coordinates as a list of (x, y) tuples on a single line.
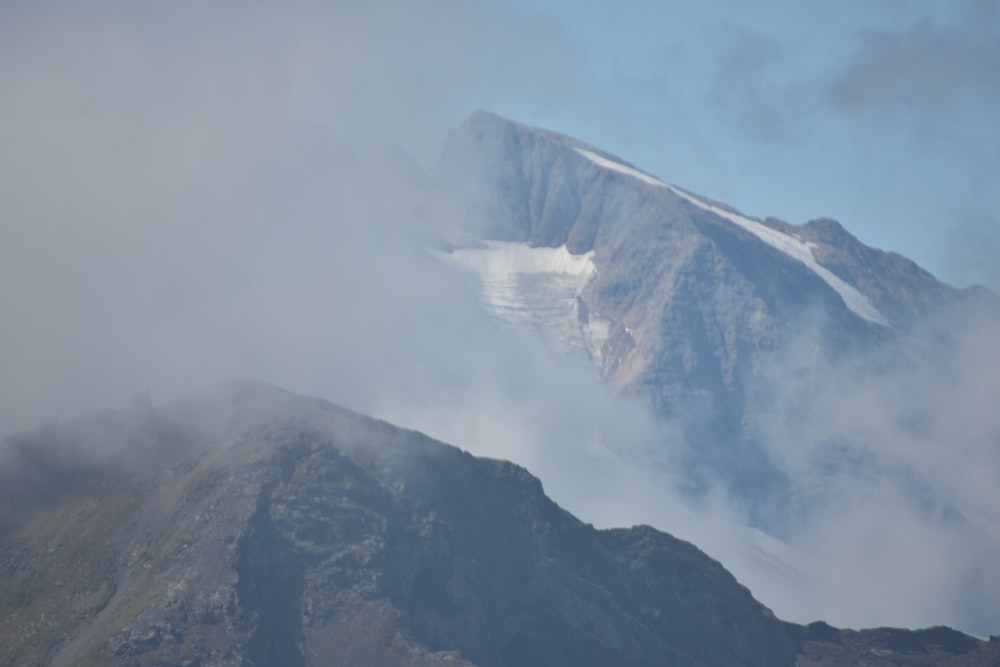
[(197, 192), (880, 113)]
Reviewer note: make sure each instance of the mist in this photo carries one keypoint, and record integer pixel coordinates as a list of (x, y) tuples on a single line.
[(898, 466), (194, 195), (234, 192)]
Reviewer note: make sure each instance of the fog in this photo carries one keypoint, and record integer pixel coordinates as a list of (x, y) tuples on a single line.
[(896, 457), (189, 197)]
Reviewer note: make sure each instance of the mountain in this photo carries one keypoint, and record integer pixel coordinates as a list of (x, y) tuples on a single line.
[(246, 525), (679, 299), (253, 526), (835, 397)]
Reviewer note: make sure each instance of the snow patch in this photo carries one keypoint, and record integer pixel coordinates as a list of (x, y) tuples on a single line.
[(536, 289), (789, 244)]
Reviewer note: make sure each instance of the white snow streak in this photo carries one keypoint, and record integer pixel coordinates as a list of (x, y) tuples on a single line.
[(794, 247), (620, 168)]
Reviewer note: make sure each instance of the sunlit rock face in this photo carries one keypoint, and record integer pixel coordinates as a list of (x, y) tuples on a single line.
[(684, 302), (699, 291)]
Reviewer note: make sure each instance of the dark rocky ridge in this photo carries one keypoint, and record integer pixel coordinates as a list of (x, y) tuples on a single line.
[(250, 526)]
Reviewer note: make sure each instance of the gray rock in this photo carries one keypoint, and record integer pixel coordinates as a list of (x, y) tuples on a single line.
[(257, 527), (291, 532)]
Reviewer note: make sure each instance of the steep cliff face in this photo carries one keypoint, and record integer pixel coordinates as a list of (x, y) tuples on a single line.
[(251, 526)]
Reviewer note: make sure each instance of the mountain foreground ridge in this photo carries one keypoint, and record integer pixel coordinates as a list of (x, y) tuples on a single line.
[(246, 525)]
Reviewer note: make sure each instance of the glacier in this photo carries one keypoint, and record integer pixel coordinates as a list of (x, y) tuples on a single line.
[(536, 289)]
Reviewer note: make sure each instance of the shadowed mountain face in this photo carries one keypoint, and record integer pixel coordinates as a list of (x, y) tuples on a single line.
[(250, 526)]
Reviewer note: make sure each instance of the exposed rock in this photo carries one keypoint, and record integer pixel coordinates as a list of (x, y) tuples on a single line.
[(250, 526), (276, 529)]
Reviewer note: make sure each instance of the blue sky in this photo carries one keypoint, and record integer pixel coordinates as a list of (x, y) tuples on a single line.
[(881, 114)]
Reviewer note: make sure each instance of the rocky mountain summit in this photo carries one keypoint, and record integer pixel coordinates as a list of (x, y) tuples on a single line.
[(250, 526), (546, 189), (684, 302), (692, 294)]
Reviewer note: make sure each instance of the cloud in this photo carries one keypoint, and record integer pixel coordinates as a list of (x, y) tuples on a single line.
[(193, 193), (896, 468), (972, 248), (930, 68), (921, 98), (749, 89)]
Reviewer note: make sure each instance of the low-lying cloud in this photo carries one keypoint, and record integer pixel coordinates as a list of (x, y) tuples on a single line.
[(928, 68), (895, 458), (192, 193)]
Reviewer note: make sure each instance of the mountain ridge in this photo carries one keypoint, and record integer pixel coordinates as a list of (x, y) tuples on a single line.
[(275, 528), (311, 512)]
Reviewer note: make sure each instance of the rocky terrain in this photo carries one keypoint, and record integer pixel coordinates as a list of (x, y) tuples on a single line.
[(249, 526)]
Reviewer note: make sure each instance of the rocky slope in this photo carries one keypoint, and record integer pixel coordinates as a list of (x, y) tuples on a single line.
[(250, 526)]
